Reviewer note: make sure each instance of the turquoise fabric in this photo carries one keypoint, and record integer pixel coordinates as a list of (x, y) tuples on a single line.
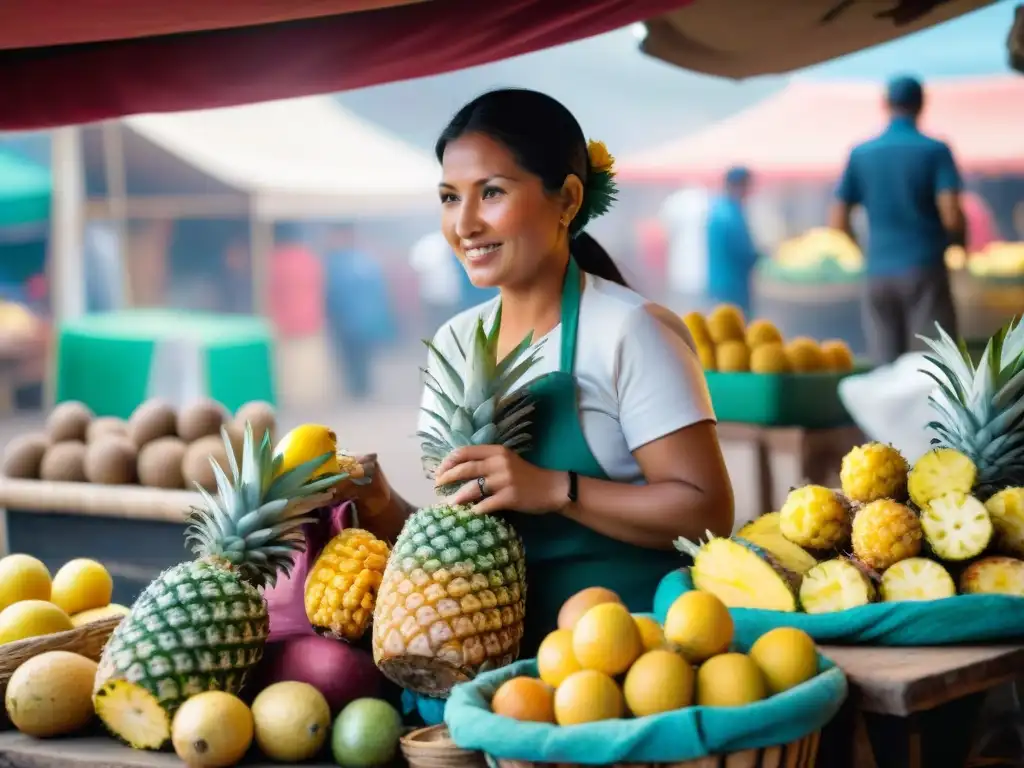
[(687, 734), (952, 621)]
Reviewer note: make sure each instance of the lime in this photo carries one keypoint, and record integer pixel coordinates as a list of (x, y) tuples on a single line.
[(366, 734)]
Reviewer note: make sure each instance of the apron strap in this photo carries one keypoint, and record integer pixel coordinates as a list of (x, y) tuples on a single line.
[(570, 316)]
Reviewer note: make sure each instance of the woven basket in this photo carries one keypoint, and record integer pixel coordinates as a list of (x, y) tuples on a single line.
[(86, 641), (432, 748)]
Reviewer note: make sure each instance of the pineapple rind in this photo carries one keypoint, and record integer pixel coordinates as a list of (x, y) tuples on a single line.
[(765, 533), (995, 575), (940, 472), (743, 575), (1006, 509), (957, 527), (874, 471), (835, 585), (916, 578), (815, 517), (885, 532)]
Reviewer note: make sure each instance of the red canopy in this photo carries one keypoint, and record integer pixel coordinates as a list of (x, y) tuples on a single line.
[(107, 58), (807, 130)]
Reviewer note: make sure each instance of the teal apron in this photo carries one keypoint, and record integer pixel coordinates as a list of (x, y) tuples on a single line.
[(562, 556)]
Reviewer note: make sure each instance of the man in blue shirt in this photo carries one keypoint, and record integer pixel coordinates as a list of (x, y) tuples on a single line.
[(910, 188), (731, 250)]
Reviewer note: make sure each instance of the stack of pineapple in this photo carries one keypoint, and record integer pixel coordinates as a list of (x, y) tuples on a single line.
[(954, 522), (726, 343)]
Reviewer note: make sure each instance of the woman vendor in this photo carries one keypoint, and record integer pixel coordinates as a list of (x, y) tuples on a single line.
[(627, 457)]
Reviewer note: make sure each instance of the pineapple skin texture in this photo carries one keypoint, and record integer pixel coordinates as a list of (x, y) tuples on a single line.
[(453, 597), (874, 471), (885, 532), (1006, 509), (341, 589), (815, 518), (197, 627)]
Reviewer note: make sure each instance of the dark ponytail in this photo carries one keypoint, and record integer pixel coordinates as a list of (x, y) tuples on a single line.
[(546, 140)]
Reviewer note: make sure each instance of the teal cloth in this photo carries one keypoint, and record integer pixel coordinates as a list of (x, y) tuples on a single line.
[(686, 734), (951, 621)]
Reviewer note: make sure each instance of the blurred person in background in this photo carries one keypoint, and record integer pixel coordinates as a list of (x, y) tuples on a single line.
[(731, 250), (684, 279), (909, 186), (438, 279), (358, 306)]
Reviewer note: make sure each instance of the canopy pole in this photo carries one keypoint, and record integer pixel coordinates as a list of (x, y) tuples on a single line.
[(117, 200), (65, 268), (261, 243)]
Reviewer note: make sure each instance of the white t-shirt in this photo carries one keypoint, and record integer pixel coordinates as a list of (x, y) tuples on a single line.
[(636, 368)]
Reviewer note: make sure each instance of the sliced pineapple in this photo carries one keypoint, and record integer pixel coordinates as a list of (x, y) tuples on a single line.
[(916, 578), (1006, 509), (956, 526), (835, 585), (765, 533), (939, 472), (133, 714), (994, 576), (741, 574)]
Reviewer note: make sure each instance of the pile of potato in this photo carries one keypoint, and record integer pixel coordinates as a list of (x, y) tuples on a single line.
[(726, 343), (157, 446)]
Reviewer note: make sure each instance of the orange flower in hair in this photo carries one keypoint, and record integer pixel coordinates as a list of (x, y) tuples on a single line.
[(601, 159)]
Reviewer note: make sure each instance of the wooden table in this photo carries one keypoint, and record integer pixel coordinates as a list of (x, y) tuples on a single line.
[(918, 706)]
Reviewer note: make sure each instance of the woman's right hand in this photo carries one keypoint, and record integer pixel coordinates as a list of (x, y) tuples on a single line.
[(368, 488)]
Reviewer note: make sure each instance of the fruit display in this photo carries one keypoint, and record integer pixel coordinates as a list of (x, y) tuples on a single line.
[(727, 344), (601, 667), (998, 259), (157, 446), (51, 694), (817, 246), (453, 595)]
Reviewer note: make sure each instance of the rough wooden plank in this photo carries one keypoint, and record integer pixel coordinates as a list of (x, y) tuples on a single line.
[(901, 681), (124, 501)]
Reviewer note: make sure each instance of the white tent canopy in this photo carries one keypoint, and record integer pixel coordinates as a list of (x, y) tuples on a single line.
[(298, 158)]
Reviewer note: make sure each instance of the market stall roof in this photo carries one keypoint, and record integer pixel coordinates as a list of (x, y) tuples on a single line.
[(25, 190), (808, 129), (298, 158), (785, 35)]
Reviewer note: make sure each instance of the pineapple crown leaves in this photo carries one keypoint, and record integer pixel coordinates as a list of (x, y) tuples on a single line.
[(255, 520)]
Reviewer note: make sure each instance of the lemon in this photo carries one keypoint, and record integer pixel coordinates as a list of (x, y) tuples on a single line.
[(659, 681), (212, 729), (51, 694), (292, 720), (80, 585), (305, 443), (700, 624), (555, 658), (587, 697), (729, 680), (651, 633), (32, 618), (786, 657), (23, 577), (606, 639), (98, 614)]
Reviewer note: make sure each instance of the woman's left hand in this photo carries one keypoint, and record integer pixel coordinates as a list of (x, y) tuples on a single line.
[(509, 482)]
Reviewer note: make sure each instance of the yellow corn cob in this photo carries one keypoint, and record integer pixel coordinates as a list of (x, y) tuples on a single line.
[(341, 589)]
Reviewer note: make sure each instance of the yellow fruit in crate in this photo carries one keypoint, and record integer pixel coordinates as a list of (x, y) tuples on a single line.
[(694, 322), (305, 443), (607, 639), (700, 625), (526, 699), (837, 355), (98, 614), (659, 681), (706, 355), (23, 577), (805, 355), (732, 357), (786, 657), (51, 694), (725, 323), (651, 634), (80, 585), (814, 517), (581, 602), (556, 659), (729, 680), (291, 721), (32, 618), (762, 332), (588, 697), (341, 589), (769, 358), (885, 532), (874, 471), (212, 729)]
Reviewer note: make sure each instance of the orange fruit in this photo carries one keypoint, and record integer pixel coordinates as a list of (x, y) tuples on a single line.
[(651, 634), (700, 624), (607, 639), (555, 658), (729, 680), (659, 681), (786, 657), (525, 698), (573, 608), (588, 696)]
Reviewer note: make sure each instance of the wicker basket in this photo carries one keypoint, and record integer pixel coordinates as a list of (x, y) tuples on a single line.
[(432, 748), (86, 641)]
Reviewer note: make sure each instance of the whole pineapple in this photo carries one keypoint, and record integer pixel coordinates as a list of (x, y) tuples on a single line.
[(885, 532), (201, 625), (453, 596), (874, 471), (980, 409), (815, 517)]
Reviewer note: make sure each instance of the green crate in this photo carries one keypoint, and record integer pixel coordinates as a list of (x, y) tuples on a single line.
[(808, 400)]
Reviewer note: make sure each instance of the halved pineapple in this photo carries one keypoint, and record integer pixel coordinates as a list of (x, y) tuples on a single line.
[(835, 585), (766, 533), (956, 526), (916, 578), (994, 576), (1006, 509), (741, 574), (939, 472)]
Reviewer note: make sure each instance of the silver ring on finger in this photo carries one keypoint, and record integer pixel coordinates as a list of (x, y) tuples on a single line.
[(481, 483)]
